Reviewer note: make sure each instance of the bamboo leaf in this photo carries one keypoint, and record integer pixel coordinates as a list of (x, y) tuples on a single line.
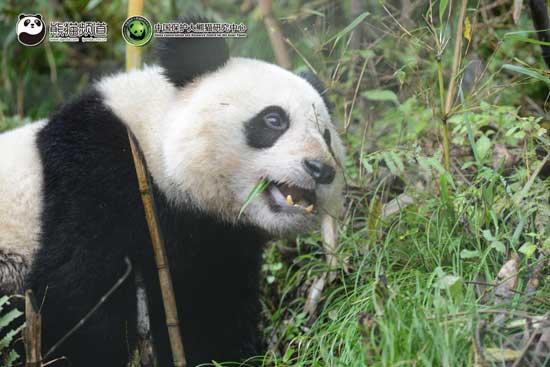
[(518, 36), (260, 187), (529, 72), (349, 28), (442, 8), (381, 95)]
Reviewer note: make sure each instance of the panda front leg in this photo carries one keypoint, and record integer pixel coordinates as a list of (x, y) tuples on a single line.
[(69, 292), (219, 306)]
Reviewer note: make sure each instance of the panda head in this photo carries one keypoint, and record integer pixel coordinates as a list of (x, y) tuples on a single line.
[(30, 29), (235, 122), (30, 24)]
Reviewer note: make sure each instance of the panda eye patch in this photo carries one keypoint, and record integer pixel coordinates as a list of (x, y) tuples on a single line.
[(264, 129), (37, 22), (27, 21)]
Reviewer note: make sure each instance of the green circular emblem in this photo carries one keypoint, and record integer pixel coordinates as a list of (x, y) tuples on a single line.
[(137, 30)]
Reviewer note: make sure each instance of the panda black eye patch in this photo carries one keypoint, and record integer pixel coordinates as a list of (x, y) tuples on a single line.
[(264, 129)]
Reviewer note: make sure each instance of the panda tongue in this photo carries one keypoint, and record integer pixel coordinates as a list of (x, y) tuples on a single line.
[(278, 194), (280, 200)]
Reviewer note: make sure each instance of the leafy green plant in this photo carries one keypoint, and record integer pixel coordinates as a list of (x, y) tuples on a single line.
[(8, 356)]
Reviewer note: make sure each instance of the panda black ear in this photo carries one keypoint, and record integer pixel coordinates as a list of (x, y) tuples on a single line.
[(38, 16), (184, 59), (318, 85), (21, 16)]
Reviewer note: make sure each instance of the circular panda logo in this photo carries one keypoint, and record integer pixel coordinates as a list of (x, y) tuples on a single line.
[(30, 29), (137, 30)]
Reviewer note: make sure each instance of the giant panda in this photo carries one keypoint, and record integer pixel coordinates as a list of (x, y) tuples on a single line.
[(210, 127)]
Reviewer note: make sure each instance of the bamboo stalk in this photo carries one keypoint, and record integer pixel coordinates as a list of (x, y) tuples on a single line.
[(275, 34), (457, 56), (451, 90), (444, 126), (133, 60), (32, 334)]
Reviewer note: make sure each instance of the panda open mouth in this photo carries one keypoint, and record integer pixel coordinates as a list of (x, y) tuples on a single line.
[(289, 198)]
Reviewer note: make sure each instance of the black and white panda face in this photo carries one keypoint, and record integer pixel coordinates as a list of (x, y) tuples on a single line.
[(249, 121), (30, 29), (30, 24)]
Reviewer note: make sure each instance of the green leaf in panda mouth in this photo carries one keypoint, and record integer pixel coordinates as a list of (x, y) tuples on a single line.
[(260, 187)]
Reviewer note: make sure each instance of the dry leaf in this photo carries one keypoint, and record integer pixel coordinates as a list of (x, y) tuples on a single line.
[(501, 156), (501, 354), (543, 345), (507, 278), (467, 29), (314, 295), (396, 205)]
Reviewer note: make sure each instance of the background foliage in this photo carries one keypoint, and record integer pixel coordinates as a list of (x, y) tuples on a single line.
[(419, 278)]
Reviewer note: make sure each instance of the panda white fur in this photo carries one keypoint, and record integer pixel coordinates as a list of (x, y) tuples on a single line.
[(210, 127)]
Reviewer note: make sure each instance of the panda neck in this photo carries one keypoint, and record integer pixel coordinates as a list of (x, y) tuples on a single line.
[(140, 98)]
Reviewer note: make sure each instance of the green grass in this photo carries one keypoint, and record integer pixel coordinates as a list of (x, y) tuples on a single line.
[(428, 312)]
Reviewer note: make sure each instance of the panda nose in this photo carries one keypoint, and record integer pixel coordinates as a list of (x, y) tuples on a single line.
[(321, 172)]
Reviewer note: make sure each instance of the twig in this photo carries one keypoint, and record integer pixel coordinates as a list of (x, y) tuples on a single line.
[(479, 356), (525, 349), (495, 311), (531, 180), (527, 294), (94, 309), (32, 334), (348, 122), (301, 56), (275, 34), (366, 325)]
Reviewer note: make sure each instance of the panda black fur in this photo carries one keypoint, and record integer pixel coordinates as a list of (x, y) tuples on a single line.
[(209, 127)]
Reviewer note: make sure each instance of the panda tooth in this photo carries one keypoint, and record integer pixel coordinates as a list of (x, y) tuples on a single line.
[(309, 209), (289, 200)]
